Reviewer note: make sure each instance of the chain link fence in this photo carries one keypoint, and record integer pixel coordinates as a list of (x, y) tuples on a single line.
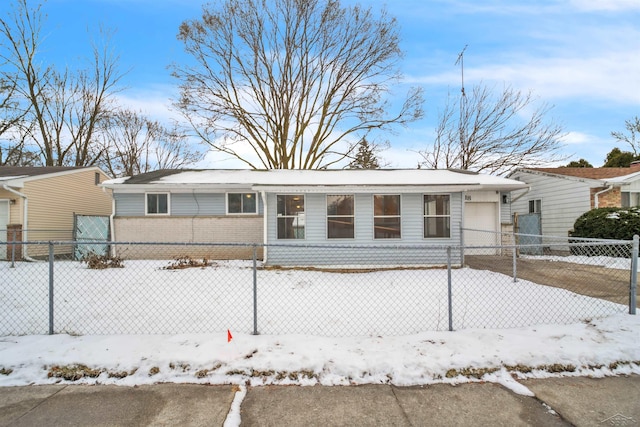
[(137, 289)]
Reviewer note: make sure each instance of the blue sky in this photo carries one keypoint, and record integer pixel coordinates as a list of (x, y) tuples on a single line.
[(581, 56)]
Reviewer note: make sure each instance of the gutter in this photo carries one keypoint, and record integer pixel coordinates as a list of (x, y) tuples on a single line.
[(25, 217), (596, 198), (521, 195)]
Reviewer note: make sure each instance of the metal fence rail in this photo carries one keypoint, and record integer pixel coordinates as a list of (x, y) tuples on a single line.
[(211, 288)]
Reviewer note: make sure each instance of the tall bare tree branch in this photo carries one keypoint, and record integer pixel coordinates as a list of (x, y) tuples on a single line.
[(290, 79), (494, 132)]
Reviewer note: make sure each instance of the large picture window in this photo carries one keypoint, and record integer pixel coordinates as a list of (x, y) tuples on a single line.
[(242, 203), (290, 215), (437, 216), (157, 204), (340, 217), (386, 216)]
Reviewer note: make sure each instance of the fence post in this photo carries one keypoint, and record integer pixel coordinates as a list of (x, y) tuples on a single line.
[(13, 249), (255, 290), (633, 286), (449, 291), (50, 288), (461, 245), (515, 262)]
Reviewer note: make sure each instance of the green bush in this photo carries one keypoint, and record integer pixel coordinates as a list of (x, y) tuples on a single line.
[(606, 223)]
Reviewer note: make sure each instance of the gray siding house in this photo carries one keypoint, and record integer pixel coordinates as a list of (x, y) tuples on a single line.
[(560, 195), (309, 217)]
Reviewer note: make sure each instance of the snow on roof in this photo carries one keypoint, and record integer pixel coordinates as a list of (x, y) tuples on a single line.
[(265, 179)]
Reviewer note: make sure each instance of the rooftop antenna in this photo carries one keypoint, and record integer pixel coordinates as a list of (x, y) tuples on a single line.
[(460, 61), (463, 109)]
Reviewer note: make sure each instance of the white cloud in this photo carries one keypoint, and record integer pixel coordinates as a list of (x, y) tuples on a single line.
[(606, 5)]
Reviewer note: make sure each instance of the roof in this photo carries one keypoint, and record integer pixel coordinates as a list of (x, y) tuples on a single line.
[(589, 173), (25, 171), (600, 176), (15, 176), (317, 180)]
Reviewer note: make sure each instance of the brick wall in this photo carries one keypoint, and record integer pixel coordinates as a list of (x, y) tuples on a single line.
[(608, 199), (14, 234), (223, 229)]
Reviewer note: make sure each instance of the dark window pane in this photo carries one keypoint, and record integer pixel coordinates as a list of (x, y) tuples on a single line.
[(290, 212), (235, 203), (163, 206), (386, 205), (387, 228), (249, 203), (340, 228), (437, 227)]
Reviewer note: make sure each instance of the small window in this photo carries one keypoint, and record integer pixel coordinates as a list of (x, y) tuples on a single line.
[(340, 218), (242, 203), (386, 216), (157, 204), (290, 212), (96, 178), (535, 206), (437, 216), (630, 200)]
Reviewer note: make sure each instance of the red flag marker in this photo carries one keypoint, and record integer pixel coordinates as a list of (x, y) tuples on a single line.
[(229, 336)]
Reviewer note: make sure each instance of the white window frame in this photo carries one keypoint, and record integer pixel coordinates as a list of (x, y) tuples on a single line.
[(537, 206), (399, 216), (146, 203), (425, 216), (242, 194), (353, 216), (279, 216)]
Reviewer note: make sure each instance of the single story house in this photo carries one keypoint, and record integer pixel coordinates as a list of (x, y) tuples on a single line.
[(41, 204), (558, 196), (292, 211)]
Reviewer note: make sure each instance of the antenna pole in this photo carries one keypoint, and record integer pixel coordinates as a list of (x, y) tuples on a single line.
[(463, 108)]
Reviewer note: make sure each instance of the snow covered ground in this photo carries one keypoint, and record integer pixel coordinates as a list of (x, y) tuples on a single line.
[(604, 344)]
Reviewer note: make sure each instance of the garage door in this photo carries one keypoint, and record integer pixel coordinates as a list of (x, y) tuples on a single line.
[(4, 220), (484, 217)]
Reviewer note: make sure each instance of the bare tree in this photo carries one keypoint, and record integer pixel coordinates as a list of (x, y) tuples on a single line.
[(494, 132), (134, 144), (633, 138), (288, 80), (12, 147), (63, 109)]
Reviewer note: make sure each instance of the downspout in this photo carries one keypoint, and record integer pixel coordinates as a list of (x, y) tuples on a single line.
[(25, 217), (265, 222), (112, 227), (520, 195), (596, 201)]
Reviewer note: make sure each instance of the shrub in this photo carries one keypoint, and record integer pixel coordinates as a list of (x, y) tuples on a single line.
[(606, 223), (99, 262)]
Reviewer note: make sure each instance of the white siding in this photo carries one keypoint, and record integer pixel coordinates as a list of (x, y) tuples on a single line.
[(563, 201)]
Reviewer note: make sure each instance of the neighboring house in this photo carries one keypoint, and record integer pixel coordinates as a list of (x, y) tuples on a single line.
[(39, 203), (560, 195), (299, 208)]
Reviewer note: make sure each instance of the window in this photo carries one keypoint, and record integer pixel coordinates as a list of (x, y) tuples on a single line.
[(437, 216), (242, 203), (630, 200), (386, 217), (290, 216), (340, 218), (535, 206), (157, 204)]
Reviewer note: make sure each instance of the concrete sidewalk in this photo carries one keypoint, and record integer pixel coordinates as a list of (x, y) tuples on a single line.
[(578, 401)]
